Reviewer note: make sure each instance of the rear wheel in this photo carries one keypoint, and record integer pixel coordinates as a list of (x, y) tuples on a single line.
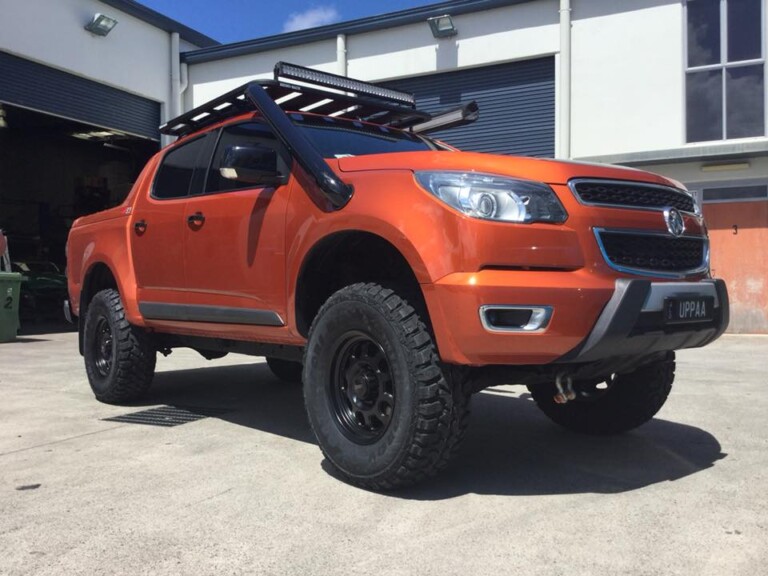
[(379, 403), (613, 405), (119, 357), (285, 370)]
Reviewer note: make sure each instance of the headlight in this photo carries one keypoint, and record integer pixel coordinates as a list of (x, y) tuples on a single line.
[(492, 197)]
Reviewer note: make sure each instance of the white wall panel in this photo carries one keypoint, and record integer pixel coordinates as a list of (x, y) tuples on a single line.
[(628, 82), (134, 57), (210, 79)]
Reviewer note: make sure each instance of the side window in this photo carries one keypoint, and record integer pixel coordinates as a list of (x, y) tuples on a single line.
[(254, 135), (177, 169)]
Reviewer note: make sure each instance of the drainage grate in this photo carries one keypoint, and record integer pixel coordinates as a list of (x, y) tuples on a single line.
[(168, 415)]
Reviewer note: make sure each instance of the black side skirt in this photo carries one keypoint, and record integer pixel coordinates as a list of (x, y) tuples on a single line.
[(218, 314)]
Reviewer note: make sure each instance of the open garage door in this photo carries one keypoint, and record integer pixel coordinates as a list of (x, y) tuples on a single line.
[(44, 89), (69, 147), (517, 106)]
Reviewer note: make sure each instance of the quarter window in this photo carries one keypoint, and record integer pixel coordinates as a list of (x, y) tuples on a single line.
[(725, 71), (177, 169)]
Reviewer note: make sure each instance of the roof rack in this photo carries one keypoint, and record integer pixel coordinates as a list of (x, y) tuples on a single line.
[(312, 91), (320, 93), (299, 89)]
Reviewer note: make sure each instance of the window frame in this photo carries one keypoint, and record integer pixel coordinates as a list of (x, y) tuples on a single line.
[(698, 189), (723, 66)]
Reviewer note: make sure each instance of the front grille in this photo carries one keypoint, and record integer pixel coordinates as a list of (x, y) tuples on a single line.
[(653, 252), (631, 194)]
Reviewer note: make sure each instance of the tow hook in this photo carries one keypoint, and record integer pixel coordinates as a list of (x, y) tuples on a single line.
[(564, 385)]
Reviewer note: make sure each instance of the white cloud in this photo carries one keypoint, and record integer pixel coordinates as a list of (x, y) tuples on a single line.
[(318, 16)]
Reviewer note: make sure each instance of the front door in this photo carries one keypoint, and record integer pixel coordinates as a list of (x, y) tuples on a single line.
[(234, 240)]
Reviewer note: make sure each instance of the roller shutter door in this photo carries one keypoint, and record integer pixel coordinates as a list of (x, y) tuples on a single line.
[(51, 91), (517, 106)]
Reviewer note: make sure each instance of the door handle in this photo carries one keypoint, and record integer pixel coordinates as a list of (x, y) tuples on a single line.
[(196, 219), (140, 226)]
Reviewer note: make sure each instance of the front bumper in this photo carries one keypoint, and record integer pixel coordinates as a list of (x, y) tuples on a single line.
[(632, 322), (594, 317)]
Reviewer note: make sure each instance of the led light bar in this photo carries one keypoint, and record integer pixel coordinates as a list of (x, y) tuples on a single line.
[(310, 76)]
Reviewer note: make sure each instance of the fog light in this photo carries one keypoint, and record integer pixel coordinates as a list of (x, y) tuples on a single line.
[(500, 318)]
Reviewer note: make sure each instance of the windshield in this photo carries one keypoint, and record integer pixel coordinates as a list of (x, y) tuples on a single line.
[(336, 138)]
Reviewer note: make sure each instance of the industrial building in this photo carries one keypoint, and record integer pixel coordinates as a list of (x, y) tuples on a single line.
[(672, 86)]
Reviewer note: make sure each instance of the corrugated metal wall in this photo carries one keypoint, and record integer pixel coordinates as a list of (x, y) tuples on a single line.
[(38, 87), (517, 105)]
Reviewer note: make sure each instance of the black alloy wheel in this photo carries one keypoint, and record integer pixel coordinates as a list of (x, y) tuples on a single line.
[(361, 388), (119, 357), (611, 405), (103, 350), (385, 412)]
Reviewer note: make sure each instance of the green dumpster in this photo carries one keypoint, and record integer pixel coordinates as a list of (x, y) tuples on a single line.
[(10, 286)]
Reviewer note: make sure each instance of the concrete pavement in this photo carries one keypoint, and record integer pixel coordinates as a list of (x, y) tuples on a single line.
[(246, 491)]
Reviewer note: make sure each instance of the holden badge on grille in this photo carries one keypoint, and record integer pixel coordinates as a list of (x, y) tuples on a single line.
[(674, 221)]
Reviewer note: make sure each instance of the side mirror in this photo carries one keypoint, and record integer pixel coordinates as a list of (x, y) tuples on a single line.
[(252, 164)]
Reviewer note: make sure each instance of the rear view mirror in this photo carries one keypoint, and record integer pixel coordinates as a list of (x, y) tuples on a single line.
[(252, 164)]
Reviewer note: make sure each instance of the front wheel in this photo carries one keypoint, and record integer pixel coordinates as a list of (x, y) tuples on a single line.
[(119, 357), (382, 410), (612, 405)]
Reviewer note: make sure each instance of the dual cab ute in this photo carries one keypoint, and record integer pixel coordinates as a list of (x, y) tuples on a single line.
[(310, 219)]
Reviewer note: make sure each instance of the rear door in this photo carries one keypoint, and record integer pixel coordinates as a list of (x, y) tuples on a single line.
[(235, 240), (159, 224)]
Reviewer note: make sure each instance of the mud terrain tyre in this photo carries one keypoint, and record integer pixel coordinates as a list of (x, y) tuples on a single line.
[(385, 413), (612, 406), (119, 357), (285, 370)]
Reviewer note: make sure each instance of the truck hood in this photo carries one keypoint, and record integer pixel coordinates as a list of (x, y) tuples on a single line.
[(538, 169)]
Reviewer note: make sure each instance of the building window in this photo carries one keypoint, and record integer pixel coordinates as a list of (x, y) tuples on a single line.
[(725, 70), (714, 193)]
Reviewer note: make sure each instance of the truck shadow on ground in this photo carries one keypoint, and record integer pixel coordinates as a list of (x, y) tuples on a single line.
[(511, 448)]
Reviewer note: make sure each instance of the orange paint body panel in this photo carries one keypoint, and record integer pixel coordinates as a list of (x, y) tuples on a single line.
[(250, 251)]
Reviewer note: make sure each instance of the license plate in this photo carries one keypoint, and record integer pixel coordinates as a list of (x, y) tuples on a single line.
[(692, 309)]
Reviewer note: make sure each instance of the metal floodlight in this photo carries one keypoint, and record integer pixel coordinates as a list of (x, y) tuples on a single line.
[(442, 26), (101, 25)]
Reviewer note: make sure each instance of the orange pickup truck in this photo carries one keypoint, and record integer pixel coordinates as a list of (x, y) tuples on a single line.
[(311, 220)]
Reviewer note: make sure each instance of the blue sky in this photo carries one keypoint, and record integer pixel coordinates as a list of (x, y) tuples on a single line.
[(236, 20)]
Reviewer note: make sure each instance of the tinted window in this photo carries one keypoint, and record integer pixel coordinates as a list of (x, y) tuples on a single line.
[(337, 138), (704, 100), (703, 32), (744, 30), (736, 193), (176, 170), (251, 134), (746, 101)]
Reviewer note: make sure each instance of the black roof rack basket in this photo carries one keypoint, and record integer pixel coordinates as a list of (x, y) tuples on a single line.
[(296, 88)]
